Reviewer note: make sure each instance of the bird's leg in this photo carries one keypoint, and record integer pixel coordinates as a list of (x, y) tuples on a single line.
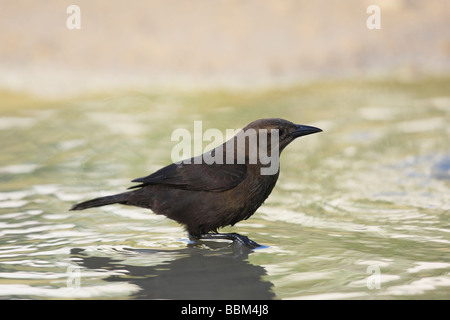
[(230, 236)]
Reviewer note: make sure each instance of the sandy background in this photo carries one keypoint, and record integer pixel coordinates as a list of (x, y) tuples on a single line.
[(145, 44)]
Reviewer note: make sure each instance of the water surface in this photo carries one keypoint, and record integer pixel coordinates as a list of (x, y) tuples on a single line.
[(360, 211)]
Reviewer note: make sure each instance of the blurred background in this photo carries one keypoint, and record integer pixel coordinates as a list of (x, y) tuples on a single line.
[(360, 210), (209, 43)]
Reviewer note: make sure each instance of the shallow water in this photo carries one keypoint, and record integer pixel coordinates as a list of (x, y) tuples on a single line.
[(360, 211)]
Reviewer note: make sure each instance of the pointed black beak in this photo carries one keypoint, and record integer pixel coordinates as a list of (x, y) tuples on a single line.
[(304, 130)]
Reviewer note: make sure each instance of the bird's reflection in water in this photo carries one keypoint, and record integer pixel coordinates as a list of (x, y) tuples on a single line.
[(214, 270)]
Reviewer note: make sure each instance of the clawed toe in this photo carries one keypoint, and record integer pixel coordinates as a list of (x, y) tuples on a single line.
[(235, 237)]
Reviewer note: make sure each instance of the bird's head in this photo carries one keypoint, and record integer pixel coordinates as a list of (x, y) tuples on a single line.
[(286, 130), (261, 142)]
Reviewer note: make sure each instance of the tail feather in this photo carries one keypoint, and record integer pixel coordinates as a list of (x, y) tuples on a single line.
[(121, 198)]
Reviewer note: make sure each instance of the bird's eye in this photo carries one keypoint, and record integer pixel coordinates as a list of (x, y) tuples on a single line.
[(271, 132)]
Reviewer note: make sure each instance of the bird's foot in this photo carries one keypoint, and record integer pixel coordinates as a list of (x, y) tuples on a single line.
[(237, 238)]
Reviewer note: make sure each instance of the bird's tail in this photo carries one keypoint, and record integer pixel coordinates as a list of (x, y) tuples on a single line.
[(121, 198)]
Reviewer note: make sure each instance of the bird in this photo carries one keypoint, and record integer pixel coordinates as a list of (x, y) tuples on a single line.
[(204, 197)]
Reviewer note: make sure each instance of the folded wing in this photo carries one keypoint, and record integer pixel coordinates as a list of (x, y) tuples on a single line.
[(197, 177)]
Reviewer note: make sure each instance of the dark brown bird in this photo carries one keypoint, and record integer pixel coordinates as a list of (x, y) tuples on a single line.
[(205, 197)]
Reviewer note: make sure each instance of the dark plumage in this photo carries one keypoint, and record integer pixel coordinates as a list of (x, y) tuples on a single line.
[(205, 197)]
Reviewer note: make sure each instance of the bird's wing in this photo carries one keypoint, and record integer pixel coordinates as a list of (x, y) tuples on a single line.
[(197, 177)]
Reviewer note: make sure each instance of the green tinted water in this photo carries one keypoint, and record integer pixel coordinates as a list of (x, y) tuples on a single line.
[(360, 210)]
